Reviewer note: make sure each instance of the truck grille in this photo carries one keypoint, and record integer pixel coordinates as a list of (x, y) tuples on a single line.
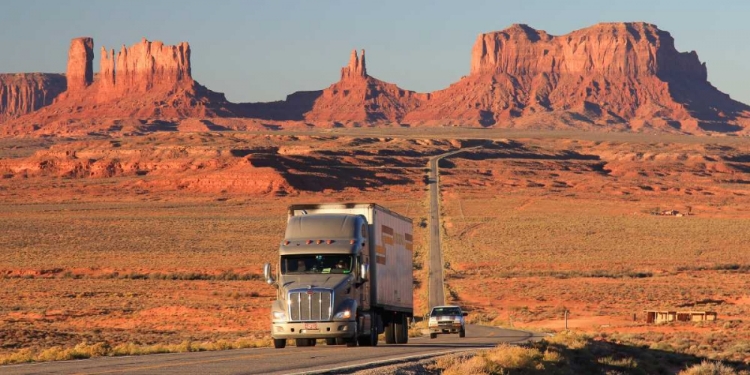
[(310, 305)]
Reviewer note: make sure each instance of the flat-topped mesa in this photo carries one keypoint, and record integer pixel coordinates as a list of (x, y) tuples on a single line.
[(356, 68), (80, 73), (631, 49), (22, 93), (146, 65)]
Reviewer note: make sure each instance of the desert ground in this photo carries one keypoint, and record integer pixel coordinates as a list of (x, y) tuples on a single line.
[(159, 239)]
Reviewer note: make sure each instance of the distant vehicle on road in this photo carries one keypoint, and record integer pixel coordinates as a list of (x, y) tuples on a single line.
[(344, 274), (447, 319)]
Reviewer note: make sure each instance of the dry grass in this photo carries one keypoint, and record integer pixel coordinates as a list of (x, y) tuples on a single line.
[(574, 353), (103, 349)]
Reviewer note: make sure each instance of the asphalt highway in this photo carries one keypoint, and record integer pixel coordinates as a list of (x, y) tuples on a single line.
[(436, 289), (291, 360)]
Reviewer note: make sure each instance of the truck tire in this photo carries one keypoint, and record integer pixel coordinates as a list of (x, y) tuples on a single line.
[(433, 335), (353, 341), (302, 342), (331, 341), (390, 335), (311, 342), (340, 341), (279, 343), (462, 333), (401, 329)]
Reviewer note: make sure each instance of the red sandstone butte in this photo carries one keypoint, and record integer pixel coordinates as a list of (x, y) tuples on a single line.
[(146, 80), (609, 73)]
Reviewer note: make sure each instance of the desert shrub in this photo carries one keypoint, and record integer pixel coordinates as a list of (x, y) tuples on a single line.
[(21, 356), (570, 340), (476, 365), (515, 357), (709, 368)]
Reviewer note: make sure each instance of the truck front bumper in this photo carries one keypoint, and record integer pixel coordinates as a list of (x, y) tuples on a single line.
[(305, 330)]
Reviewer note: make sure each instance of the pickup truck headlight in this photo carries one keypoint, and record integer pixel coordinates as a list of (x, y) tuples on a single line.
[(279, 315), (346, 314)]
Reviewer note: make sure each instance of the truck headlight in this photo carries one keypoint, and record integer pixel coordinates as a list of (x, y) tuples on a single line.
[(279, 315), (346, 314)]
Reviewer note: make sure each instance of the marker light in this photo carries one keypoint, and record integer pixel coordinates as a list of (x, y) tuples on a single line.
[(308, 242), (320, 242), (352, 242), (329, 242)]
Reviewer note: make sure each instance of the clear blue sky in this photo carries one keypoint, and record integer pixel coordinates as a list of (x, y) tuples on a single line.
[(263, 50)]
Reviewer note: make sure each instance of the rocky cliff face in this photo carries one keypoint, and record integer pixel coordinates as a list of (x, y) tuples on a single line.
[(23, 93), (148, 65), (612, 73)]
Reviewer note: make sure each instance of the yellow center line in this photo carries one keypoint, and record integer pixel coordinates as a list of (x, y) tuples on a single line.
[(151, 367)]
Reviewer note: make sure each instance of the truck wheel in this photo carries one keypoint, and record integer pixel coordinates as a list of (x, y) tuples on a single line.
[(390, 335), (301, 342), (279, 343), (433, 335), (331, 341), (340, 341), (311, 342), (462, 333), (401, 329), (352, 341)]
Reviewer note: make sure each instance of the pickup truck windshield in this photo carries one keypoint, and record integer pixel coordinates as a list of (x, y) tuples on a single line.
[(445, 311), (320, 263)]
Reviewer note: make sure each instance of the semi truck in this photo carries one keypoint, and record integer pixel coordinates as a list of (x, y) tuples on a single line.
[(344, 274)]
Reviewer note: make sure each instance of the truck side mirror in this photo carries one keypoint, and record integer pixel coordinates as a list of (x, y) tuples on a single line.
[(364, 272), (267, 274)]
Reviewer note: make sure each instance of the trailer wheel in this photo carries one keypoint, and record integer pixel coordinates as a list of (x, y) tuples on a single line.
[(433, 335), (401, 329), (390, 334), (279, 343), (331, 341), (302, 342), (462, 333)]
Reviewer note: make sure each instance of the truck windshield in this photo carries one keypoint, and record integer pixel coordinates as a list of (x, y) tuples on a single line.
[(303, 264), (437, 311)]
